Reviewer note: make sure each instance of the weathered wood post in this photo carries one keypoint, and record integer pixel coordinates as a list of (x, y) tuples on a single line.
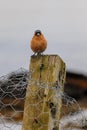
[(43, 96)]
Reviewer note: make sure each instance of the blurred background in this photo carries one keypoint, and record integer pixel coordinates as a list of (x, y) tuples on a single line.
[(64, 25)]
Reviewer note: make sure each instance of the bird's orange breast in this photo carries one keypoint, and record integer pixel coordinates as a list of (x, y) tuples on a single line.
[(38, 43)]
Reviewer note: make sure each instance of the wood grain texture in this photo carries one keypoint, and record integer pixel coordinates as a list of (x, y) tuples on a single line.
[(43, 97)]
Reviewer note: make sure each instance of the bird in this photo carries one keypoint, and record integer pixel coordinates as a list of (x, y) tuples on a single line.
[(38, 43)]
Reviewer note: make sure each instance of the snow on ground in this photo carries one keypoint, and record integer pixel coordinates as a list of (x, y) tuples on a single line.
[(73, 122), (10, 126)]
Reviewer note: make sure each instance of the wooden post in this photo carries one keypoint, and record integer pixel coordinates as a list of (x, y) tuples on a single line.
[(43, 96)]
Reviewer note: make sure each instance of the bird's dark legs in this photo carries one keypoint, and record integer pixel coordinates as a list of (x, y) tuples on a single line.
[(38, 54), (34, 54)]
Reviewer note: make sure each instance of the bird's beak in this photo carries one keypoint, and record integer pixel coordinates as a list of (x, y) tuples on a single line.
[(38, 34)]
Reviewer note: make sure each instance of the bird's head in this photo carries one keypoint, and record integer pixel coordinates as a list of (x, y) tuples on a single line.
[(37, 32)]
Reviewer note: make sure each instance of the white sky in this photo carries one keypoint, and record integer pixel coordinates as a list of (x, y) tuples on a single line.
[(63, 22)]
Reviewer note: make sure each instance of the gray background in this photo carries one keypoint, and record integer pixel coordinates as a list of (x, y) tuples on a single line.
[(63, 23)]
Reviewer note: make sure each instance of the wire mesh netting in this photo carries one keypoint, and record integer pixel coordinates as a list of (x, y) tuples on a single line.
[(12, 97)]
